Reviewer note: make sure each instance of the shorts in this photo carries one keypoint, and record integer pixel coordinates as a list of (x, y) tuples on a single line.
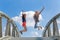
[(24, 24)]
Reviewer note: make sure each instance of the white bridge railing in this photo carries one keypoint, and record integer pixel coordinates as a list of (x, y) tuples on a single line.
[(10, 23), (52, 29)]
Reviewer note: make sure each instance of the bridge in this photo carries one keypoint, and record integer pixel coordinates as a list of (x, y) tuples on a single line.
[(51, 31)]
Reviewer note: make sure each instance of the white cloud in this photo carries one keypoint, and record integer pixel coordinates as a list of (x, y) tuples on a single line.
[(29, 18), (30, 22), (59, 32), (35, 34), (58, 21), (3, 33)]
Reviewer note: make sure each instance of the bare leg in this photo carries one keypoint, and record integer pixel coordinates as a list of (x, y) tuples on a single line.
[(35, 25), (25, 29)]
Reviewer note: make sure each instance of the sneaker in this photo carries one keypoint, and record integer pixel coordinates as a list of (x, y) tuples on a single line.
[(39, 27), (35, 26), (21, 32)]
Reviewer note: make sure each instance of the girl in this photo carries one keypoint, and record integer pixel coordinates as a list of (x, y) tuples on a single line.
[(23, 23)]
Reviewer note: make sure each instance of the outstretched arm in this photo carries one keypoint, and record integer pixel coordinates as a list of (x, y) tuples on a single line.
[(41, 10)]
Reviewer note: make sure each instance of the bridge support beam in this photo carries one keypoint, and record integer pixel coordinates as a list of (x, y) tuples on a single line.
[(17, 34), (13, 30), (0, 26), (8, 31), (49, 32), (55, 28)]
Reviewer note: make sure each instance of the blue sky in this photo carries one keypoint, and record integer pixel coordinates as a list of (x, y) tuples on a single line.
[(13, 8)]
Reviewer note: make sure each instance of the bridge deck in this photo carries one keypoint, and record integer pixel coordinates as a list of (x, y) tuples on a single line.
[(30, 38)]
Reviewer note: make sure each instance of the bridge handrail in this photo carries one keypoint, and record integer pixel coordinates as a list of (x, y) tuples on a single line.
[(2, 14), (50, 21)]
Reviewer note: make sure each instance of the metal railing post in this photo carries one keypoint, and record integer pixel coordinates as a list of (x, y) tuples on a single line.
[(0, 26), (8, 31), (55, 28)]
